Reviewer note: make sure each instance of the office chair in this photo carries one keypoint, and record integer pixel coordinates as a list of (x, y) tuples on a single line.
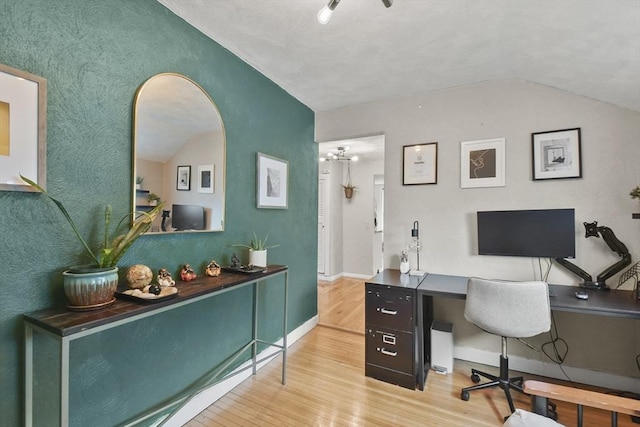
[(510, 310)]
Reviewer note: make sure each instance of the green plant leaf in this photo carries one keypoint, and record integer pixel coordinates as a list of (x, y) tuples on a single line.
[(112, 249), (65, 214)]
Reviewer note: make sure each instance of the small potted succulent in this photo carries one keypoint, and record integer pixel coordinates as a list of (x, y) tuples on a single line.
[(257, 250), (93, 286), (153, 199), (635, 193)]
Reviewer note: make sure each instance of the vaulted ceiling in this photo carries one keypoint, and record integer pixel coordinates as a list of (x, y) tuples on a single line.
[(368, 52)]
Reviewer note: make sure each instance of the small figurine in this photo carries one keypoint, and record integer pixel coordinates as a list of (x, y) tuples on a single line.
[(235, 262), (164, 278), (213, 269), (187, 274)]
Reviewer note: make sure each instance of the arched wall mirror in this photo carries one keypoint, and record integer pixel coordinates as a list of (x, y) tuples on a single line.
[(179, 155)]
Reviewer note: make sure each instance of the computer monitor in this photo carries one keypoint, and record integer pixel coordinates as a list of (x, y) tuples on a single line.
[(545, 233), (187, 217)]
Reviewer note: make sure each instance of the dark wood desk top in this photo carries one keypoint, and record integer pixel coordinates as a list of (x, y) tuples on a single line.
[(63, 322), (617, 303), (394, 279)]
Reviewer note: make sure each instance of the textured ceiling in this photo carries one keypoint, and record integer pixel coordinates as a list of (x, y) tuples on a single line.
[(368, 52)]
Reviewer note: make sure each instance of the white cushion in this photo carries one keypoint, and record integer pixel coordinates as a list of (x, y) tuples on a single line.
[(522, 418)]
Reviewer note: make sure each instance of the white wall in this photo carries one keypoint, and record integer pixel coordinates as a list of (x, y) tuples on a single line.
[(202, 149), (358, 230), (331, 172), (512, 109), (351, 220)]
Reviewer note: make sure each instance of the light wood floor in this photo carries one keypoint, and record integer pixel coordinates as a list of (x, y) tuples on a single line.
[(341, 304), (326, 385)]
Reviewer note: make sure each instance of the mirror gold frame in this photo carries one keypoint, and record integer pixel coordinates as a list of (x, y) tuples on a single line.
[(179, 153)]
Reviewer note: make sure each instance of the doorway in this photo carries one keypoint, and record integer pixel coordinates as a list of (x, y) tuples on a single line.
[(350, 230)]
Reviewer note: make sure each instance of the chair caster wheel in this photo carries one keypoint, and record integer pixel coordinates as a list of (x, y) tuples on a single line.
[(464, 395), (475, 378)]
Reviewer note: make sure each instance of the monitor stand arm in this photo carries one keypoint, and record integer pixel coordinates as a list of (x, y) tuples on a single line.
[(575, 270), (614, 244)]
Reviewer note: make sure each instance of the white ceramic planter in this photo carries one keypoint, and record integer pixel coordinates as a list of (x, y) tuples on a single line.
[(258, 258)]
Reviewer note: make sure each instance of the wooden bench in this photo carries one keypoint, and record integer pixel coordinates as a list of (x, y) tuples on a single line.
[(540, 393)]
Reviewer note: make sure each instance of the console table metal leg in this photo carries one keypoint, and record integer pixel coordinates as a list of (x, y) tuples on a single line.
[(64, 382), (254, 334), (284, 331), (28, 375)]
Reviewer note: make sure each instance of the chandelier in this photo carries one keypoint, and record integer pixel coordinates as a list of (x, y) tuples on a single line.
[(339, 154)]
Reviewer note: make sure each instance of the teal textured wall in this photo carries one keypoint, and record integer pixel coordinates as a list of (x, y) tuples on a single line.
[(94, 54)]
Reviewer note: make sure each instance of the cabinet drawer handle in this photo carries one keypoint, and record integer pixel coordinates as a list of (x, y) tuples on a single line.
[(389, 339), (388, 353), (391, 312)]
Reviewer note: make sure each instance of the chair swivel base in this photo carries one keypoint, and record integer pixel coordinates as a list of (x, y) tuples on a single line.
[(503, 381)]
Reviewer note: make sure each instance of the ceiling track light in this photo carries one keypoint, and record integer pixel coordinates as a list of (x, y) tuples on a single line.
[(324, 15)]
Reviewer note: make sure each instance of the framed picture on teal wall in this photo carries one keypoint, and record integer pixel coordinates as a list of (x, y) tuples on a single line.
[(272, 186), (23, 123)]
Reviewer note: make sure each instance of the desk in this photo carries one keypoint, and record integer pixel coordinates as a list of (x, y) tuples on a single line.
[(615, 303), (66, 326)]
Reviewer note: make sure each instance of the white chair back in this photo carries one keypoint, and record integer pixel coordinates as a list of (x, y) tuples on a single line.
[(509, 309)]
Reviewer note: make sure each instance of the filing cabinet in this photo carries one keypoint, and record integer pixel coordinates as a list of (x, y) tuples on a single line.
[(390, 328)]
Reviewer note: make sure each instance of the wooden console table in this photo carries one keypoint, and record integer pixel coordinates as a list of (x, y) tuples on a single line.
[(66, 326)]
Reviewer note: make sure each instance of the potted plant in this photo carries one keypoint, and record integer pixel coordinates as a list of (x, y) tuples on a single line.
[(348, 190), (257, 250), (93, 286), (635, 193), (153, 199), (348, 187), (139, 180)]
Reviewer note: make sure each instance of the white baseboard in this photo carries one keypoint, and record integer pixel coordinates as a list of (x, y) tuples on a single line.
[(324, 278), (358, 276), (343, 274), (550, 369), (207, 397)]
